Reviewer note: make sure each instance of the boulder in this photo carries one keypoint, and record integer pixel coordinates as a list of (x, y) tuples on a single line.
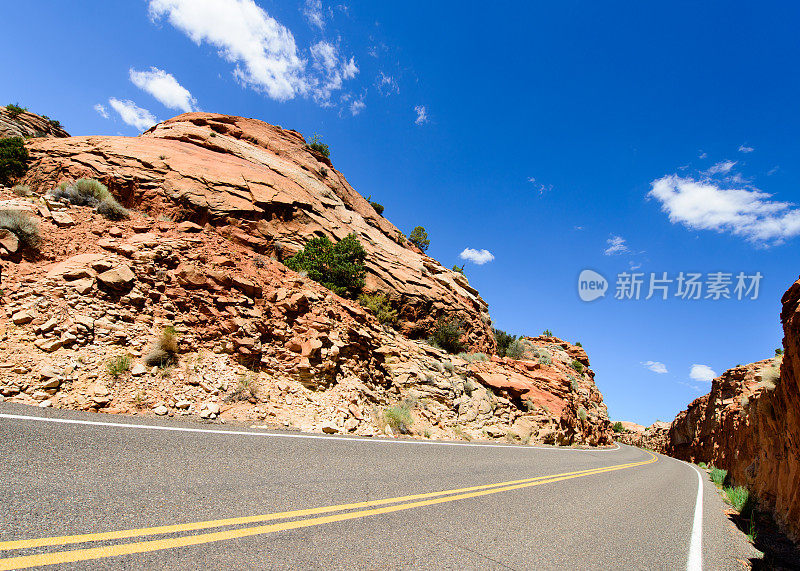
[(9, 241), (118, 278)]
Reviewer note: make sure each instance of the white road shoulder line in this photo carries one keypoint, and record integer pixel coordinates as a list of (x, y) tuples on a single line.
[(292, 434), (695, 562)]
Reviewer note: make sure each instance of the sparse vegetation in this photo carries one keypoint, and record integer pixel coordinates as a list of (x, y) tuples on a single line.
[(459, 433), (617, 427), (22, 190), (419, 237), (770, 376), (164, 352), (245, 390), (317, 145), (779, 352), (473, 357), (459, 269), (702, 465), (578, 366), (573, 384), (378, 207), (448, 335), (469, 387), (378, 305), (23, 225), (13, 160), (503, 340), (718, 475), (91, 192), (398, 418), (14, 110), (323, 171), (578, 344), (118, 365), (739, 498), (582, 414), (449, 367), (518, 349), (339, 267), (547, 333)]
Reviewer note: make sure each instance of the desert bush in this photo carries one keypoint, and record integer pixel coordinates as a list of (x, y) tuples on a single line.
[(718, 475), (770, 376), (23, 225), (90, 192), (15, 110), (547, 333), (578, 366), (702, 465), (447, 335), (13, 160), (459, 269), (503, 340), (582, 413), (617, 427), (378, 305), (518, 349), (111, 209), (544, 356), (573, 384), (22, 190), (459, 432), (449, 367), (339, 267), (398, 418), (378, 207), (317, 145), (118, 365), (473, 357), (419, 237), (164, 351), (739, 498), (778, 352), (578, 344), (244, 391)]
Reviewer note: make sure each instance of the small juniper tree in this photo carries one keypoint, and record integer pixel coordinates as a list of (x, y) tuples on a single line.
[(419, 237)]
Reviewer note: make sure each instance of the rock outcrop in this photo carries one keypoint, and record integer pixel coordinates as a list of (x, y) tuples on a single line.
[(653, 437), (262, 187), (28, 124), (749, 424), (257, 342)]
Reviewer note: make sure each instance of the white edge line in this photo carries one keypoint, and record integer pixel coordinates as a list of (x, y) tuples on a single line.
[(292, 435), (695, 561)]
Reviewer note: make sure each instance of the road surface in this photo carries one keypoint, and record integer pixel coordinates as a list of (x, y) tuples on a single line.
[(90, 491)]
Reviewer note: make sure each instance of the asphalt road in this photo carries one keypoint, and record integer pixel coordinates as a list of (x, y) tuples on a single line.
[(445, 506)]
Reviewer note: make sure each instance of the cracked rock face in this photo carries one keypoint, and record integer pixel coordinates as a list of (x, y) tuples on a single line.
[(260, 186), (27, 125)]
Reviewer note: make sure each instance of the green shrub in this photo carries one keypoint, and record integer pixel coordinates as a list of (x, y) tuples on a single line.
[(111, 209), (547, 333), (518, 349), (459, 269), (23, 226), (244, 391), (164, 351), (22, 190), (13, 160), (702, 465), (378, 305), (718, 475), (118, 365), (317, 145), (447, 335), (582, 413), (419, 237), (770, 376), (578, 366), (473, 357), (778, 352), (739, 498), (503, 340), (578, 344), (399, 418), (14, 110), (378, 207), (339, 267), (617, 427), (573, 384)]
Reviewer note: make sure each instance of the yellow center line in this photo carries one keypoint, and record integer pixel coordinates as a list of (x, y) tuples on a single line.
[(60, 557)]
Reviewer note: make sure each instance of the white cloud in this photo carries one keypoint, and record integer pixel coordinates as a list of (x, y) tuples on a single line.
[(702, 155), (312, 10), (773, 170), (616, 245), (478, 257), (705, 205), (357, 106), (101, 110), (745, 149), (263, 51), (542, 188), (333, 70), (386, 84), (164, 87), (702, 373), (722, 167), (422, 115), (132, 114), (656, 367)]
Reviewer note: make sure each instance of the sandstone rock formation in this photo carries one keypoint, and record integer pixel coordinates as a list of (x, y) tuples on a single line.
[(653, 437), (262, 187), (749, 424), (28, 124), (257, 342)]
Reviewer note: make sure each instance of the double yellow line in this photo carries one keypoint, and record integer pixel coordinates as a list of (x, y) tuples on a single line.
[(403, 503)]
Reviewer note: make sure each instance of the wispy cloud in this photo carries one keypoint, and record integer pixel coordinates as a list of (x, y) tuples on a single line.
[(541, 188), (478, 257), (722, 167), (745, 149), (333, 70), (422, 115), (702, 155), (312, 10), (725, 206), (165, 88), (132, 114), (357, 106), (101, 110), (616, 246), (702, 373), (656, 367), (386, 84)]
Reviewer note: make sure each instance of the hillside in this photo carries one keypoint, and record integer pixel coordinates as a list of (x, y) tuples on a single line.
[(217, 203)]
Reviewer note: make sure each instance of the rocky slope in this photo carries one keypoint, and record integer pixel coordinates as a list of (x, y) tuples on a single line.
[(28, 125), (262, 187), (749, 424), (653, 437)]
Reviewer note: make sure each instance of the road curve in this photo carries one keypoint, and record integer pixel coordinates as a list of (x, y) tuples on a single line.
[(88, 491)]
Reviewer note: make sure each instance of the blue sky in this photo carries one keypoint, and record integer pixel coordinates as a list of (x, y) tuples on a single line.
[(557, 136)]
